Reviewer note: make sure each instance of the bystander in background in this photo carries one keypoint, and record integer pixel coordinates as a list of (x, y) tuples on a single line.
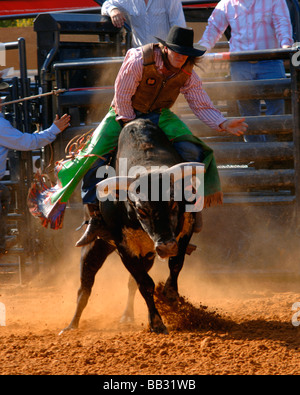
[(148, 19), (255, 25), (13, 139)]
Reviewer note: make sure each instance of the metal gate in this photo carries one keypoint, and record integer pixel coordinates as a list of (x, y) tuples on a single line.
[(19, 175), (259, 179)]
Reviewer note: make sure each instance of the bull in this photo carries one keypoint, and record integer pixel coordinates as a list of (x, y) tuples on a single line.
[(139, 228)]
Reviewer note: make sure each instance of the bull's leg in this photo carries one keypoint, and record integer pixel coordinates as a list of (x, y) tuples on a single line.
[(92, 259), (175, 266), (146, 287), (128, 315)]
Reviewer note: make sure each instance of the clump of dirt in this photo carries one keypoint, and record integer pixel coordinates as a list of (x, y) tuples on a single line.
[(182, 315)]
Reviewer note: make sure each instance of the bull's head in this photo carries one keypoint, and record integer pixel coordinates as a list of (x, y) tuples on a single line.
[(158, 199)]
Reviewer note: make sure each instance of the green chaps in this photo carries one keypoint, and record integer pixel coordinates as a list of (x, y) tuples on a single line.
[(105, 139)]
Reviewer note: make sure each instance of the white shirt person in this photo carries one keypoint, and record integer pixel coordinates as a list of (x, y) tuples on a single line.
[(148, 19)]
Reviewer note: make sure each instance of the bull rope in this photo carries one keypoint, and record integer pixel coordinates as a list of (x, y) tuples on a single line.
[(53, 92)]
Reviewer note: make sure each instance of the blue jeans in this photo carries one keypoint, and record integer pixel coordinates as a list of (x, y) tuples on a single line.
[(190, 152), (89, 181), (262, 70)]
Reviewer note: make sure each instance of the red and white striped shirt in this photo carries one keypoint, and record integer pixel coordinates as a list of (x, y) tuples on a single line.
[(130, 75), (255, 25)]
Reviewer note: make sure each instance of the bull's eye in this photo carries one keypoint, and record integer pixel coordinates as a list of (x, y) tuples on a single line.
[(142, 213)]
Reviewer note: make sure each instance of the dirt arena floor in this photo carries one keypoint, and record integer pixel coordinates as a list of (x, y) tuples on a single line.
[(226, 323)]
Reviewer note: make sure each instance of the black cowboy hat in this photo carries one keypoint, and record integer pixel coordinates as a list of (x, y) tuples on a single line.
[(181, 40)]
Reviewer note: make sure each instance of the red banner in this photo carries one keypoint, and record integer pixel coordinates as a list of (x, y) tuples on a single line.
[(19, 7), (27, 7)]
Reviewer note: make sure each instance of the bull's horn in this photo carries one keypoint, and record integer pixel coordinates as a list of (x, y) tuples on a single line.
[(112, 185), (181, 166)]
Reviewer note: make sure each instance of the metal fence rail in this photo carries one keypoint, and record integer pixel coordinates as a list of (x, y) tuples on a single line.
[(276, 164), (256, 173)]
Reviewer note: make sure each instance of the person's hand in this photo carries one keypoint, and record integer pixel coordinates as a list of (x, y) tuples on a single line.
[(236, 127), (63, 122), (117, 17)]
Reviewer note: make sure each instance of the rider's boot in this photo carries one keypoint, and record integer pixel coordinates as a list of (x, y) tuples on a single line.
[(95, 226)]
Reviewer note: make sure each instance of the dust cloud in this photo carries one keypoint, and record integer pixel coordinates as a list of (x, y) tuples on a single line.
[(242, 258), (226, 322)]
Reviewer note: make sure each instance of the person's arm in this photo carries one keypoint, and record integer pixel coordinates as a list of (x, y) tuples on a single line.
[(109, 5), (114, 9), (282, 22), (126, 84), (204, 109), (216, 26), (237, 127), (63, 122), (13, 138)]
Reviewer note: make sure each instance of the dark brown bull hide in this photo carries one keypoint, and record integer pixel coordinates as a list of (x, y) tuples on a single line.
[(139, 227)]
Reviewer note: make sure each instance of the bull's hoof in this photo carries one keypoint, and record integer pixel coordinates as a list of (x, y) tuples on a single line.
[(170, 294), (160, 330), (157, 326), (127, 319), (67, 329)]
